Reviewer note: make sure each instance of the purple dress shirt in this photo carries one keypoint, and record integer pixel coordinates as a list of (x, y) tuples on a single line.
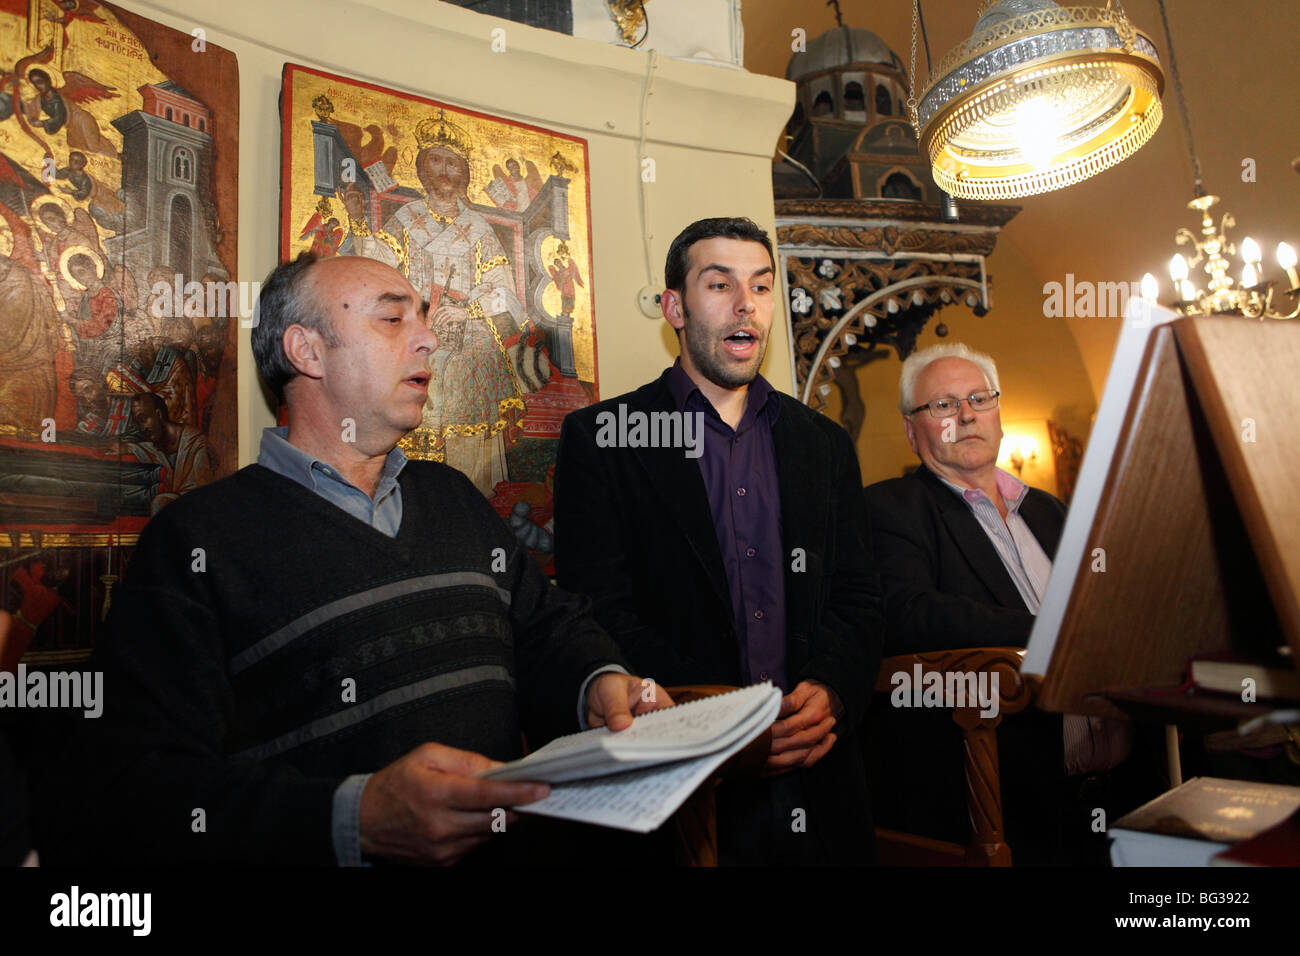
[(740, 477)]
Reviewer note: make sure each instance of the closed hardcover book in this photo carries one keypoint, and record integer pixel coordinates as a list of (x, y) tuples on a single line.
[(1273, 679), (1190, 824)]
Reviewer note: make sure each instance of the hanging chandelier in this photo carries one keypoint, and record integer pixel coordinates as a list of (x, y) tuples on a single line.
[(1254, 298), (1040, 97)]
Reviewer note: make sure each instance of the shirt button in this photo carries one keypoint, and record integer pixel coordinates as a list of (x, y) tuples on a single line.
[(758, 615), (740, 492), (750, 552), (762, 675)]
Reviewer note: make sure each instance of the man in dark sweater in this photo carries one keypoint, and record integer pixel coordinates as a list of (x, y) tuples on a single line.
[(284, 637)]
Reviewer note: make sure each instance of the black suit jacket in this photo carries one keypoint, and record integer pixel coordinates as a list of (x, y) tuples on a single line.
[(634, 531), (945, 587), (944, 584)]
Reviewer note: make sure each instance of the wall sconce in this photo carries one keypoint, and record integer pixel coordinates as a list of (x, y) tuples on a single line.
[(1021, 450)]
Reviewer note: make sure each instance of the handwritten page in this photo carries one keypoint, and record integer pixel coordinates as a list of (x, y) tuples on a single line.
[(641, 800), (686, 731)]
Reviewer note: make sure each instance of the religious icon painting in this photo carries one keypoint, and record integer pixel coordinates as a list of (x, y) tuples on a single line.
[(118, 310), (490, 220)]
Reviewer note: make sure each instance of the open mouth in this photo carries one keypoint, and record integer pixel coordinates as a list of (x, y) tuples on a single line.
[(420, 380), (741, 341)]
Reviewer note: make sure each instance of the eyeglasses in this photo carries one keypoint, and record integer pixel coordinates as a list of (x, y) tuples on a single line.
[(947, 407)]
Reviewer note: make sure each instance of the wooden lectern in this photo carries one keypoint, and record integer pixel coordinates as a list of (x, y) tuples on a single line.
[(1194, 546)]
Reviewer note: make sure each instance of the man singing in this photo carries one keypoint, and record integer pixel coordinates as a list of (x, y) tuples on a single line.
[(740, 562), (310, 661)]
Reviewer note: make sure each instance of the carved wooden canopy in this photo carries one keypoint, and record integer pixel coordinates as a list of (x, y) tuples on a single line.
[(865, 273)]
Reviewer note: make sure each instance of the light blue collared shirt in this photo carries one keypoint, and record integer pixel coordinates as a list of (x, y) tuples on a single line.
[(383, 512)]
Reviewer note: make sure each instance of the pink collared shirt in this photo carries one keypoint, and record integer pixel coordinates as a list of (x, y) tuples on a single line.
[(1021, 554)]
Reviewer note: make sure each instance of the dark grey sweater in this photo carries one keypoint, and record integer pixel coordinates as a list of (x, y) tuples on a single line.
[(265, 645)]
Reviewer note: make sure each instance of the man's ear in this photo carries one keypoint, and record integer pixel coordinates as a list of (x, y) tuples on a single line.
[(911, 433), (302, 347), (670, 303)]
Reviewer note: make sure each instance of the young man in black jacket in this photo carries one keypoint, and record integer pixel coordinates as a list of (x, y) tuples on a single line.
[(724, 542)]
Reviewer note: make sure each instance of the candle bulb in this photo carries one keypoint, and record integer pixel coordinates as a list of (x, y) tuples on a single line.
[(1178, 268), (1286, 259), (1150, 288)]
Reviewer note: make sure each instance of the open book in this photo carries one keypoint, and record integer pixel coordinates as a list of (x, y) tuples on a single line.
[(635, 779)]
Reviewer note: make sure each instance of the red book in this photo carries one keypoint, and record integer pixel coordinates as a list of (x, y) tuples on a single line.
[(1279, 845)]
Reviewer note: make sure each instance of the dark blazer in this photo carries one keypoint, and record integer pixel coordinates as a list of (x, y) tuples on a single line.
[(634, 531), (944, 584), (945, 587)]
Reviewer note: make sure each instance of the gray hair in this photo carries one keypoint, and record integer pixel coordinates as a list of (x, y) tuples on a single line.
[(287, 298), (917, 362)]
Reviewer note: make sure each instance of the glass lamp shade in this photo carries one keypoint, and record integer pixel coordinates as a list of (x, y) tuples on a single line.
[(1042, 96)]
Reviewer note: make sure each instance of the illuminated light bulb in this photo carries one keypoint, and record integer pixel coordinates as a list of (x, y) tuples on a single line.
[(1178, 268), (1038, 132), (1187, 291), (1250, 251), (1249, 277), (1150, 288), (1286, 259)]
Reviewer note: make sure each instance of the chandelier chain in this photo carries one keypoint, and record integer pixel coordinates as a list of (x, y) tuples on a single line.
[(1182, 102), (911, 76)]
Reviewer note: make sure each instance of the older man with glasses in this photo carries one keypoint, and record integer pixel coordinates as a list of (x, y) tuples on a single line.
[(964, 551), (965, 547)]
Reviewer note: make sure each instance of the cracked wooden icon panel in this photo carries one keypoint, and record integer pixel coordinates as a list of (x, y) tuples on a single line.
[(118, 171)]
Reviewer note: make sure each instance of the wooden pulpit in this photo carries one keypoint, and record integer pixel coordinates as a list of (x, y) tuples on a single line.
[(1188, 543)]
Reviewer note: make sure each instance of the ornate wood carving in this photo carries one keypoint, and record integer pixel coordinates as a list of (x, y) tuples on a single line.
[(982, 214), (899, 261), (987, 845), (888, 239), (824, 289)]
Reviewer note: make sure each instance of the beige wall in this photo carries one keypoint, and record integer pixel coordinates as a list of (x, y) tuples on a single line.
[(710, 133)]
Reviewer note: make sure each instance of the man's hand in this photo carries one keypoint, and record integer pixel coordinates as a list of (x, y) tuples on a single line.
[(802, 734), (613, 698), (428, 807)]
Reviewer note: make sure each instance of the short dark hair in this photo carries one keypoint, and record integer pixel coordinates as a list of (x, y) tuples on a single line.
[(286, 299), (741, 227)]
